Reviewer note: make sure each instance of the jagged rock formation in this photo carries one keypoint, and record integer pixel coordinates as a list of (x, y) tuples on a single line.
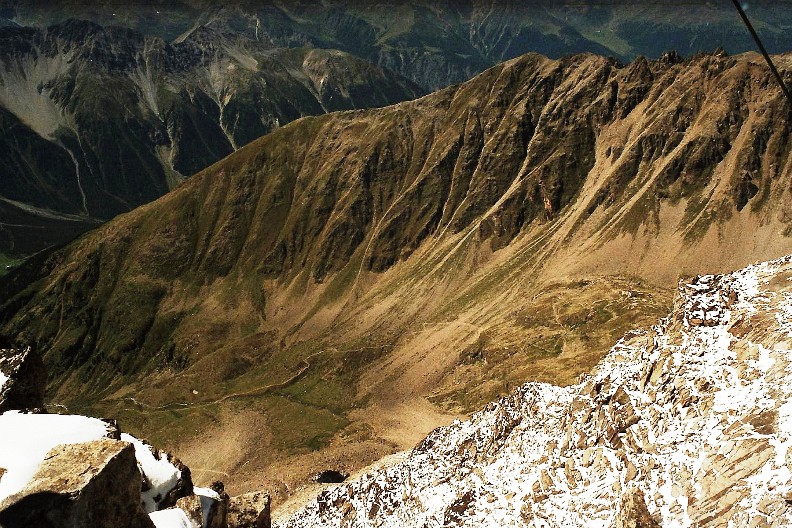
[(685, 424), (206, 513), (72, 471), (165, 479), (95, 121), (23, 379), (368, 256), (68, 471)]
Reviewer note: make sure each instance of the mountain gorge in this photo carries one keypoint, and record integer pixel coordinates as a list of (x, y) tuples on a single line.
[(334, 290), (98, 120)]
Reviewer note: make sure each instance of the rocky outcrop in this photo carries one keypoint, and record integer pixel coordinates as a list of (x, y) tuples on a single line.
[(78, 485), (219, 509), (75, 471), (184, 485), (685, 424), (23, 379), (164, 478), (193, 507), (213, 508), (251, 510)]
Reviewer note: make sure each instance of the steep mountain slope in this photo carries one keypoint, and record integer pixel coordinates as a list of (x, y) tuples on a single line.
[(350, 281), (684, 424), (95, 121), (440, 42)]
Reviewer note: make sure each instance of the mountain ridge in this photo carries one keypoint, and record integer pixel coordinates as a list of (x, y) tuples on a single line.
[(439, 43)]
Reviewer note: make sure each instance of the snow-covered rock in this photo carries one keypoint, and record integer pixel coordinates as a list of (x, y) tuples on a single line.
[(68, 470), (88, 484), (25, 440), (30, 442), (206, 507), (165, 478), (686, 424)]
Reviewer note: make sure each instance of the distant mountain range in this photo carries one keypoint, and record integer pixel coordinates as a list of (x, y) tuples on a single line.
[(440, 42)]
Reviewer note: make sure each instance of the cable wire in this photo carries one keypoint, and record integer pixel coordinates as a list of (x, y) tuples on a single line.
[(766, 56)]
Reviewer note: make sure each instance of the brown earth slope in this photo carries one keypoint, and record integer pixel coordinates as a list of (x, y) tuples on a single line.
[(337, 288)]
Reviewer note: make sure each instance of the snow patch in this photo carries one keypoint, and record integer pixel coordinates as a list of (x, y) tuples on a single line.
[(208, 498), (161, 475), (172, 518)]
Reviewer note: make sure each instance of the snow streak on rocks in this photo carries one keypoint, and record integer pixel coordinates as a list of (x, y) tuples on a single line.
[(688, 423), (163, 480)]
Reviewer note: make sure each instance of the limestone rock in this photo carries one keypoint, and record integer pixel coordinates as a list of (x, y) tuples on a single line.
[(251, 510), (93, 484), (23, 379)]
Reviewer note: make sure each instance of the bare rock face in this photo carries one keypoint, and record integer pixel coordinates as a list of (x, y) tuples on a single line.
[(23, 379), (633, 512), (251, 510), (94, 484), (218, 510), (191, 505)]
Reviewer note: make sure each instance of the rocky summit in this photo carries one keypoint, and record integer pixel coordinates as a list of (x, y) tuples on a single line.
[(687, 423), (67, 471), (70, 471)]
